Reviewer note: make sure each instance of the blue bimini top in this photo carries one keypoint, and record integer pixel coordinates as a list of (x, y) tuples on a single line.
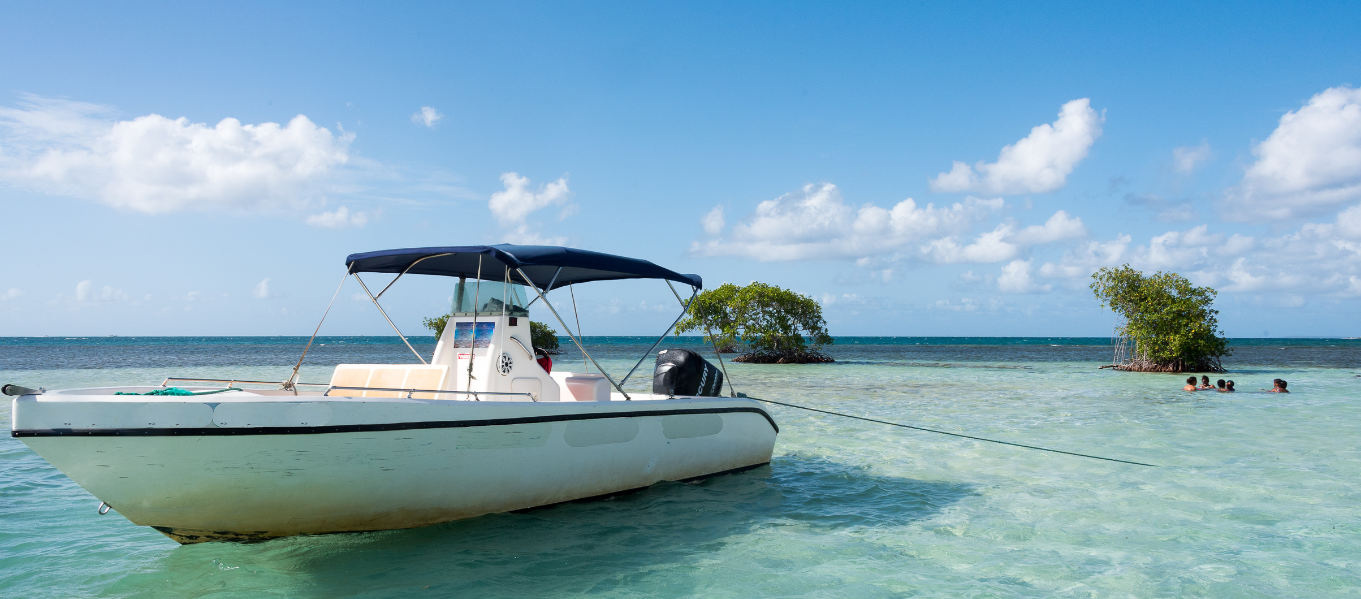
[(540, 262)]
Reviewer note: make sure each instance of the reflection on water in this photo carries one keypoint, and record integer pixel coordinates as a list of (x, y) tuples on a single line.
[(585, 547)]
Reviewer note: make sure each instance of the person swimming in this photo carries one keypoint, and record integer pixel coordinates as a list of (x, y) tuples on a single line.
[(1205, 383), (1190, 384), (1220, 384), (1229, 388), (1278, 386)]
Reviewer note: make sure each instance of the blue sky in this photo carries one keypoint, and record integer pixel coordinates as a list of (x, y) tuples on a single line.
[(920, 168)]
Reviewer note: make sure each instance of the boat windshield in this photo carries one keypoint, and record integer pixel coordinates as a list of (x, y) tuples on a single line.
[(490, 295)]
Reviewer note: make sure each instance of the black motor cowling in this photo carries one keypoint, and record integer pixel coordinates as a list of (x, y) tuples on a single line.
[(683, 372)]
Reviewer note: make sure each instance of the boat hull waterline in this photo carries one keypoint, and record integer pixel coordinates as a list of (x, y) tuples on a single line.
[(238, 466)]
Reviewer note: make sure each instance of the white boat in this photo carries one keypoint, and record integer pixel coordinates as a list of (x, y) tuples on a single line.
[(478, 428)]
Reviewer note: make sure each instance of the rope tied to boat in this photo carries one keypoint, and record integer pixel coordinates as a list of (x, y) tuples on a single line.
[(918, 428), (178, 392)]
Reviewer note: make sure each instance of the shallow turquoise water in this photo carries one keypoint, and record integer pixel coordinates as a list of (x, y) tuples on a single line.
[(1257, 495)]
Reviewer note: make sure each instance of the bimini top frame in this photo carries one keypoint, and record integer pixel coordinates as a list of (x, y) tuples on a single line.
[(546, 267), (543, 268)]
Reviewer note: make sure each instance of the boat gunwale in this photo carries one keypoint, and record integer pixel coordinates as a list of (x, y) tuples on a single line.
[(378, 427)]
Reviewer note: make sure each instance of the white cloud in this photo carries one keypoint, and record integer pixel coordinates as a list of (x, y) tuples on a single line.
[(154, 164), (1185, 159), (964, 305), (427, 116), (1015, 278), (524, 236), (829, 299), (261, 290), (518, 201), (87, 294), (814, 223), (10, 294), (1059, 227), (1006, 241), (713, 221), (338, 219), (1081, 262), (1310, 163), (1319, 258), (1038, 163)]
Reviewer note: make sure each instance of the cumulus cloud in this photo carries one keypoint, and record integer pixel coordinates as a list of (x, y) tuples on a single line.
[(155, 164), (1006, 241), (713, 221), (1038, 163), (829, 299), (814, 223), (1015, 278), (1319, 258), (524, 235), (512, 205), (10, 294), (1309, 164), (964, 305), (339, 218), (261, 290), (427, 116), (1185, 159), (86, 293)]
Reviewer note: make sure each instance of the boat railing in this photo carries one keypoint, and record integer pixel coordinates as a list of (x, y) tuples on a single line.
[(231, 382), (408, 392)]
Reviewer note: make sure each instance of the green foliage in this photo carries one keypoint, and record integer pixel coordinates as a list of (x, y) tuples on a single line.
[(436, 324), (543, 337), (772, 322), (1171, 322)]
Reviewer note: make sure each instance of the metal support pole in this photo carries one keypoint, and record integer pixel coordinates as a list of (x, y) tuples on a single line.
[(569, 332), (385, 316), (292, 378), (684, 308), (399, 275), (573, 291), (710, 331), (472, 340), (548, 288)]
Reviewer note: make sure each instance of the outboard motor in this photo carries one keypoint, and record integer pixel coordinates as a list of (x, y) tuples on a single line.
[(683, 372)]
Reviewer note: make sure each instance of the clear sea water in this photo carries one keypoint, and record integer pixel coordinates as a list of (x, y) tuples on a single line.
[(1258, 494)]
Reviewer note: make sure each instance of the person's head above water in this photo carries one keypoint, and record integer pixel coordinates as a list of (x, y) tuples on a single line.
[(1205, 380), (1190, 380), (1279, 386), (1190, 384), (1230, 386), (1220, 383)]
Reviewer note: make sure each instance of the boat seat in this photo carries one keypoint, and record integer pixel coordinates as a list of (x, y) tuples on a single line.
[(580, 386), (391, 376)]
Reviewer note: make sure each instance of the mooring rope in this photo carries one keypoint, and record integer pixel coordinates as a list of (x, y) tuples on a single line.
[(918, 428), (178, 392)]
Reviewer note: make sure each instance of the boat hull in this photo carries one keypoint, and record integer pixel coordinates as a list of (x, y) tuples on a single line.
[(372, 468)]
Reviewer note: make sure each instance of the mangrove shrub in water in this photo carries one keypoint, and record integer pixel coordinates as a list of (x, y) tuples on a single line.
[(774, 325), (544, 337), (1169, 321)]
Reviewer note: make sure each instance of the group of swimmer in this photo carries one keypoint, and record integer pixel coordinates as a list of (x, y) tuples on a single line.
[(1223, 386)]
